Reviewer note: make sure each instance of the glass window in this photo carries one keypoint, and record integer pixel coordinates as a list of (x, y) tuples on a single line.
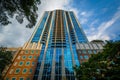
[(36, 52), (23, 57), (7, 79), (24, 70), (30, 71), (33, 63), (21, 79), (30, 57), (21, 63), (86, 56), (13, 78), (79, 52), (81, 57), (27, 63), (39, 30), (90, 52), (32, 52), (26, 52), (79, 32), (95, 52), (35, 57), (17, 71), (84, 51)]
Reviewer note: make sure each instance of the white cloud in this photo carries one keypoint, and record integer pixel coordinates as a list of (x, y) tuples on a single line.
[(101, 31), (86, 13), (83, 20), (57, 4), (84, 16), (53, 4), (94, 22), (15, 34), (83, 13)]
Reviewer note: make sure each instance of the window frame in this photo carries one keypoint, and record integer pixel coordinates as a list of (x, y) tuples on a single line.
[(21, 62), (23, 57), (26, 51), (17, 72), (32, 52), (25, 71), (27, 64), (13, 78), (21, 77), (86, 57), (30, 57)]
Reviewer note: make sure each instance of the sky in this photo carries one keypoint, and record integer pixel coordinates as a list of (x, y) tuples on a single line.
[(100, 19)]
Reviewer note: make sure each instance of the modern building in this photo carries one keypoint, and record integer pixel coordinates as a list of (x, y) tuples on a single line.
[(53, 49), (84, 50)]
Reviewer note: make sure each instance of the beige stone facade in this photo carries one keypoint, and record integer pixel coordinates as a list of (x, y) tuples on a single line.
[(24, 62)]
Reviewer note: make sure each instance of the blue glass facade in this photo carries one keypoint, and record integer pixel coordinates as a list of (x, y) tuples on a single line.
[(80, 34), (59, 32), (40, 28)]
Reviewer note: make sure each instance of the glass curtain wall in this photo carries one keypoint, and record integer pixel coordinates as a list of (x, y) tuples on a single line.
[(60, 35)]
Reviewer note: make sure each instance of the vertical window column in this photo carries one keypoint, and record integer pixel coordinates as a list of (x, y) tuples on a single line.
[(40, 28), (67, 52)]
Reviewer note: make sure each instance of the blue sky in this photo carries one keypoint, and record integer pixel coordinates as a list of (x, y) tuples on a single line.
[(100, 19)]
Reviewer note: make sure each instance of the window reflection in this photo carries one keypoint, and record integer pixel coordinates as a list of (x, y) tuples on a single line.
[(95, 52), (90, 52), (86, 56), (84, 51), (81, 57), (39, 30)]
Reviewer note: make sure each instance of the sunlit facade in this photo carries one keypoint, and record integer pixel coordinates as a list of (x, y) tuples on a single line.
[(52, 50)]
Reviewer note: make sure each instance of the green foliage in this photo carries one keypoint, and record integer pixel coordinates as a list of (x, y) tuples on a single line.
[(101, 66), (97, 41), (21, 9), (5, 59)]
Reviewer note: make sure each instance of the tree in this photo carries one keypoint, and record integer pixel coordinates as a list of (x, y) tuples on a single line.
[(102, 66), (97, 41), (21, 9), (5, 59)]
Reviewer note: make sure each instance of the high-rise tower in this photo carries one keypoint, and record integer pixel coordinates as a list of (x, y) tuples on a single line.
[(51, 52), (58, 32)]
